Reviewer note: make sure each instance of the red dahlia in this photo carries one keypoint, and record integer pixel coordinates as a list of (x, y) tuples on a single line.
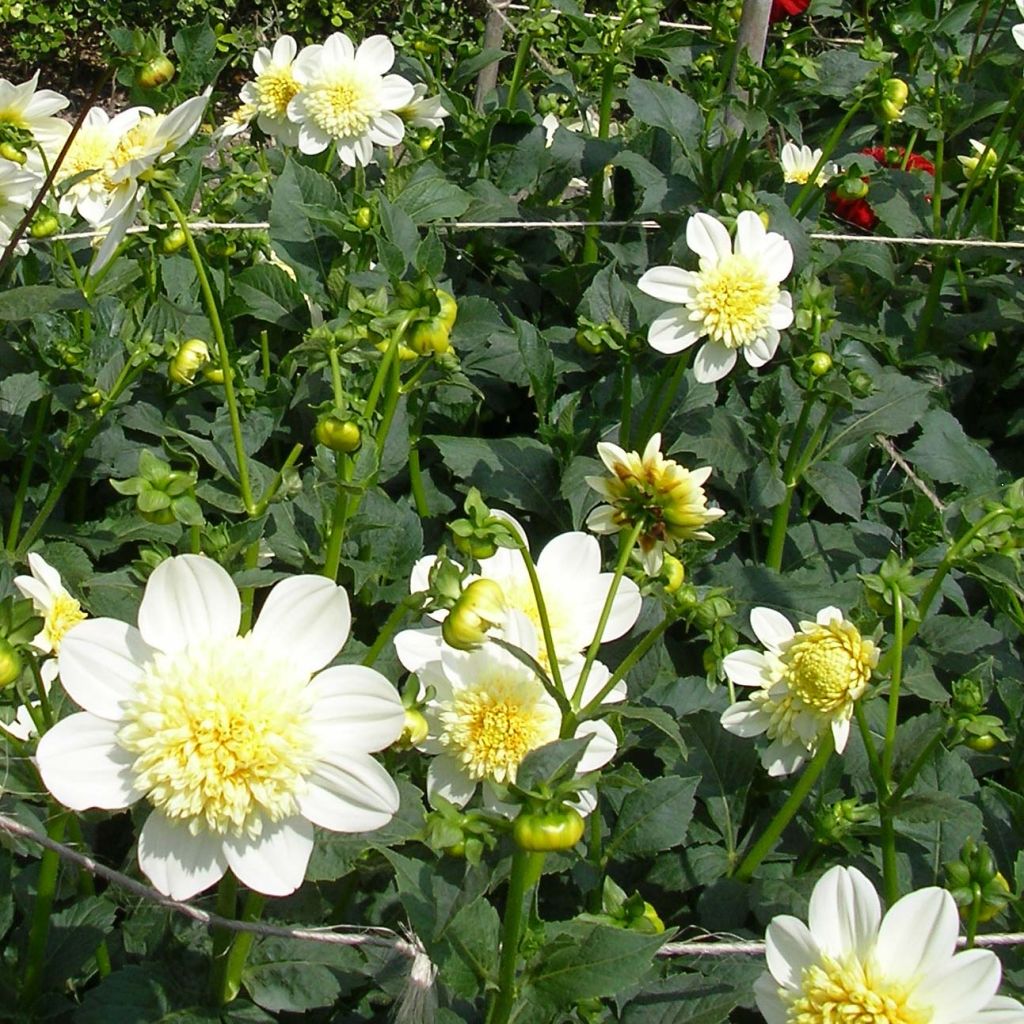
[(787, 8), (858, 211)]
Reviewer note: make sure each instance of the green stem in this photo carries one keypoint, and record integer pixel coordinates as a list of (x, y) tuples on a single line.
[(248, 594), (874, 762), (419, 495), (525, 872), (624, 666), (915, 768), (226, 907), (626, 545), (771, 834), (394, 391), (339, 517), (780, 517), (668, 396), (626, 418), (28, 464), (542, 611), (595, 208), (518, 69), (46, 889), (223, 356), (408, 604), (895, 680), (974, 915), (810, 188), (234, 963), (87, 887), (275, 484)]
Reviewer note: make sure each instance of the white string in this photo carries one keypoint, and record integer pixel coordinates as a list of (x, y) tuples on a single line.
[(356, 935), (537, 225)]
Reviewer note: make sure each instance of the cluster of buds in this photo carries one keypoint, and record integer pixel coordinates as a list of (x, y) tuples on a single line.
[(162, 495), (480, 532), (709, 610), (894, 575), (835, 823), (631, 912), (429, 314), (974, 879), (968, 718), (597, 337)]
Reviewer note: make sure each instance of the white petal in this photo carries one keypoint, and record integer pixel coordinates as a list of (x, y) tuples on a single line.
[(274, 863), (1000, 1009), (769, 1002), (83, 766), (100, 663), (829, 615), (713, 362), (840, 733), (600, 750), (776, 256), (350, 793), (783, 758), (746, 719), (446, 778), (338, 49), (394, 93), (284, 50), (758, 352), (178, 863), (670, 284), (45, 573), (309, 617), (789, 949), (419, 578), (376, 55), (780, 316), (355, 709), (844, 913), (708, 238), (919, 932), (772, 628), (750, 234), (386, 130), (188, 599), (417, 648), (570, 557), (599, 675), (1018, 34), (746, 668), (960, 987), (673, 331)]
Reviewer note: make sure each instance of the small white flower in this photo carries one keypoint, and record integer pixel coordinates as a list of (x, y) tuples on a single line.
[(573, 585), (805, 684), (489, 710), (51, 599), (273, 89), (424, 111), (240, 743), (853, 965), (30, 109), (149, 140), (347, 98), (799, 161), (1018, 30), (973, 164), (733, 300)]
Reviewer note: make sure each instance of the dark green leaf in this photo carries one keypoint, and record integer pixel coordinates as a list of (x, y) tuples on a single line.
[(654, 817)]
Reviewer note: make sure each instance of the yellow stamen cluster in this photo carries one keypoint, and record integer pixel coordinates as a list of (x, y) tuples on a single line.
[(519, 595), (275, 88), (90, 150), (826, 667), (341, 107), (63, 613), (492, 726), (221, 735), (733, 301), (850, 992)]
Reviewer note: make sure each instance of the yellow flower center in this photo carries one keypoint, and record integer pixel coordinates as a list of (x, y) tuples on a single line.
[(828, 666), (492, 726), (275, 89), (14, 118), (733, 301), (342, 106), (850, 992), (221, 730), (137, 141), (798, 175), (63, 613), (89, 151)]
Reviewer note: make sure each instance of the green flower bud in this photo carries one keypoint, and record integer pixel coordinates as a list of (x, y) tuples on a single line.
[(10, 663), (191, 357), (480, 607)]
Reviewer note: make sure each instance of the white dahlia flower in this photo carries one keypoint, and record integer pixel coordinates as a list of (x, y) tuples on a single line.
[(850, 964), (239, 743), (733, 300), (268, 95), (798, 162), (347, 98), (805, 683)]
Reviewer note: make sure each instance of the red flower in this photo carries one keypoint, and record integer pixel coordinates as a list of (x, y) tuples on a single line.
[(858, 211), (787, 9)]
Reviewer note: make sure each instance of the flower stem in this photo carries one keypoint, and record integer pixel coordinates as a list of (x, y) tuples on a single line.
[(27, 465), (408, 604), (890, 879), (666, 391), (339, 517), (223, 357), (786, 812), (780, 517), (87, 887), (227, 905), (626, 545), (234, 962), (595, 211), (542, 612), (526, 868), (46, 888), (805, 196)]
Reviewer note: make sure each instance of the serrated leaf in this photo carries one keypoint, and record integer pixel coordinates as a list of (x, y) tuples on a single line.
[(836, 486), (267, 293), (654, 817), (25, 303), (663, 106), (550, 762), (945, 453), (430, 196)]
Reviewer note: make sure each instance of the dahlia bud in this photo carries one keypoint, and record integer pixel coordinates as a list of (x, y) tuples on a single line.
[(894, 99), (480, 607), (191, 357)]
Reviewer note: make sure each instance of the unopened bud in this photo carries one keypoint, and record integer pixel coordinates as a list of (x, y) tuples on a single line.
[(480, 607), (191, 357)]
